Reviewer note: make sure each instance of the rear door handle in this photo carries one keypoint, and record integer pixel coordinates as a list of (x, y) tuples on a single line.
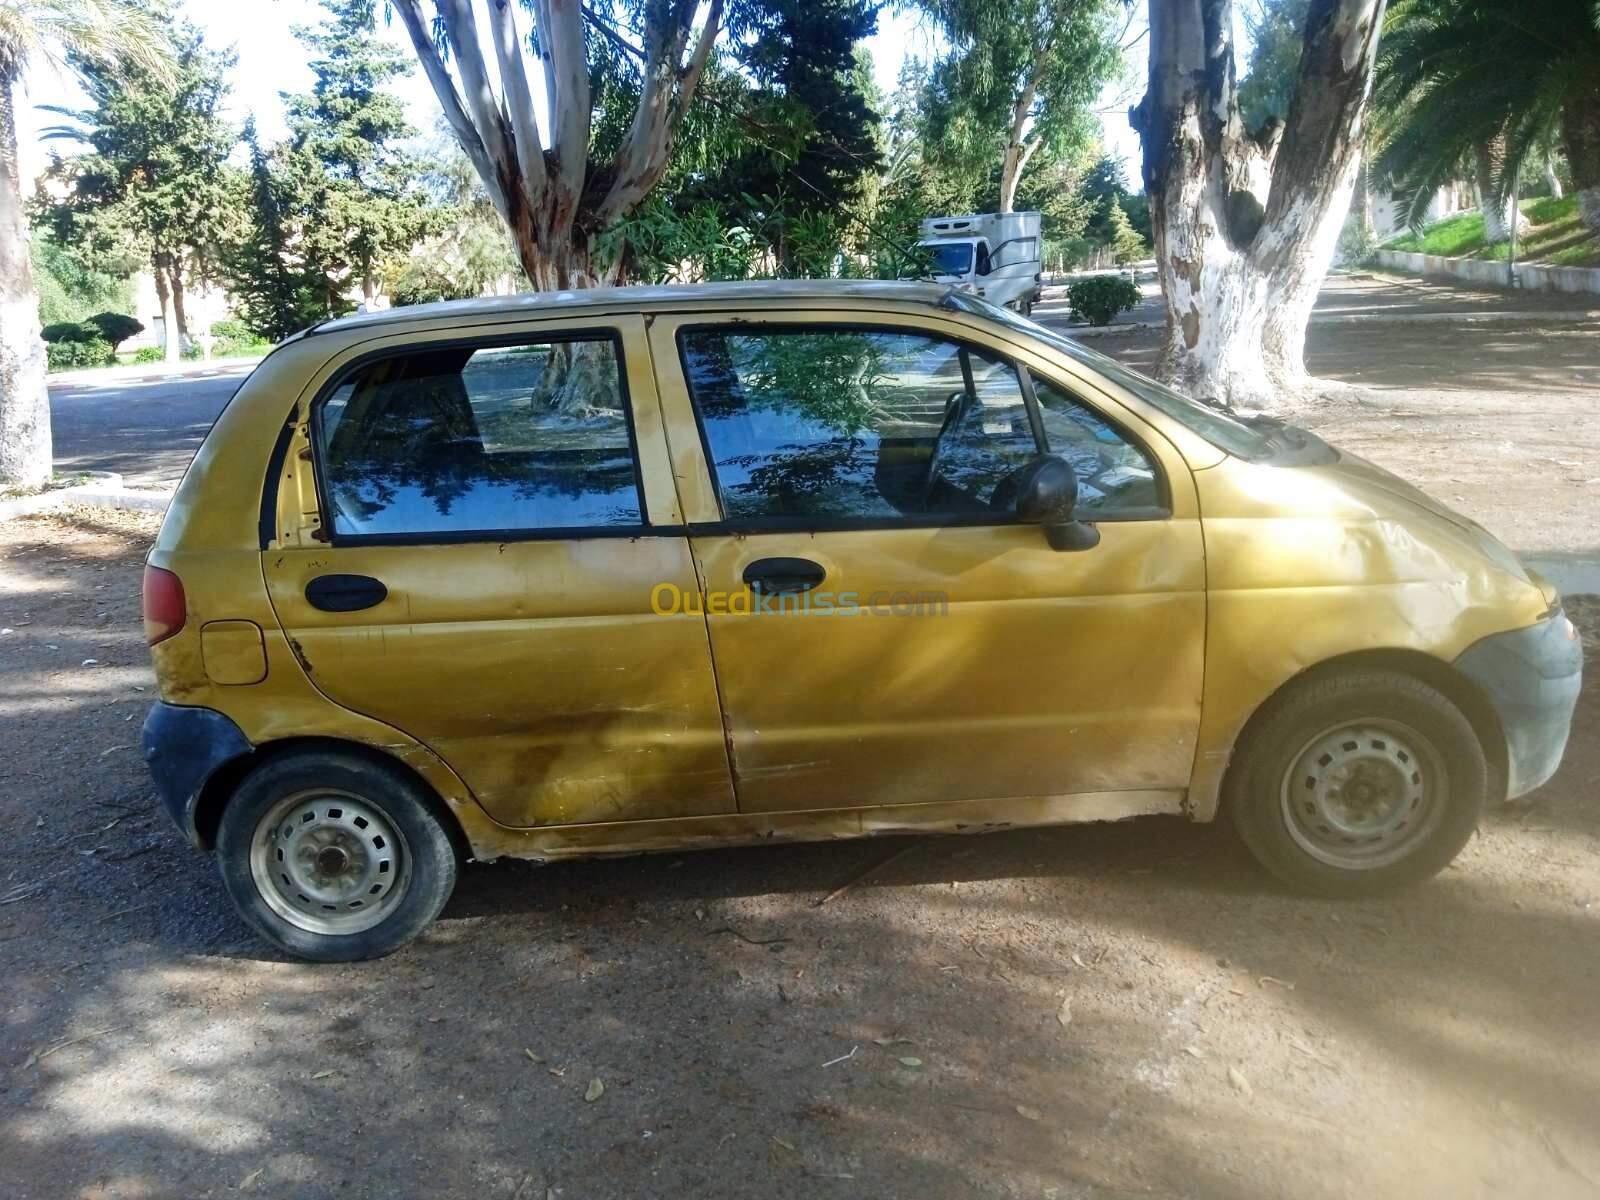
[(774, 575), (345, 593)]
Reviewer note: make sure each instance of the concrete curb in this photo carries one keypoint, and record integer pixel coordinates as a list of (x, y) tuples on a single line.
[(1552, 319), (105, 488)]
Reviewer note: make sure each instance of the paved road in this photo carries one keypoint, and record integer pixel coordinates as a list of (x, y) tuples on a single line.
[(147, 428)]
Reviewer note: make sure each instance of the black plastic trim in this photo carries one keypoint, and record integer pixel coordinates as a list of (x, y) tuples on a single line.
[(274, 481), (184, 747)]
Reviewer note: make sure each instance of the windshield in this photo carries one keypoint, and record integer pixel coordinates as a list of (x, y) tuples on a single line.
[(1217, 427), (950, 258)]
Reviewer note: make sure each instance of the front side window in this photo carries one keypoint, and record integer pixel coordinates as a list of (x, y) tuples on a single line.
[(1114, 474), (498, 438), (806, 426)]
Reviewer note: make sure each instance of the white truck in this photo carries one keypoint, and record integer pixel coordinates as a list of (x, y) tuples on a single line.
[(994, 255)]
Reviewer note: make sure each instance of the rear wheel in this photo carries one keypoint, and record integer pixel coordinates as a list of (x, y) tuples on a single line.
[(334, 857), (1358, 783)]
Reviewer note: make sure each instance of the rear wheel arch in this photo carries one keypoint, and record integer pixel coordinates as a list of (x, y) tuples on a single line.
[(225, 780)]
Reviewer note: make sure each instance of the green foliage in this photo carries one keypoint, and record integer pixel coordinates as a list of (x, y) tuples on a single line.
[(1107, 181), (64, 332), (348, 191), (115, 327), (69, 291), (275, 291), (1097, 299), (73, 355), (807, 134), (149, 354), (1126, 244), (1555, 236), (1277, 36), (152, 187), (1066, 49)]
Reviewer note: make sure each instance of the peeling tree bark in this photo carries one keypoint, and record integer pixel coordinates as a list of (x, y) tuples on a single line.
[(1245, 226), (25, 452), (1019, 149), (554, 199)]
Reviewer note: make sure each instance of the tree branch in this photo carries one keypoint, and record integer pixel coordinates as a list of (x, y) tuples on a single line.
[(444, 88), (570, 113), (519, 99)]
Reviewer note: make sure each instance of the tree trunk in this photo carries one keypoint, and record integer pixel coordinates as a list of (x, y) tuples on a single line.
[(175, 272), (1552, 181), (1488, 161), (1245, 226), (1017, 152), (25, 452), (1580, 138), (171, 340)]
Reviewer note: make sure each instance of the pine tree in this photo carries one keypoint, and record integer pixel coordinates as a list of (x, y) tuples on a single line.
[(274, 292), (355, 196), (1126, 244), (152, 188)]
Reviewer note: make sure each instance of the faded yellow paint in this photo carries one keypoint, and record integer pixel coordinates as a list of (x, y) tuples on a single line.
[(532, 687)]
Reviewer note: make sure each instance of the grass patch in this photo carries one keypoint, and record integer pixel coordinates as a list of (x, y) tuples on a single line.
[(1554, 236)]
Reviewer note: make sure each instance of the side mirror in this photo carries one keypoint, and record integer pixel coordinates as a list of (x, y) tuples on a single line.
[(1047, 495)]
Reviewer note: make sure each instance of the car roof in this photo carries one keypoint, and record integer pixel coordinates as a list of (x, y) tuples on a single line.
[(654, 298)]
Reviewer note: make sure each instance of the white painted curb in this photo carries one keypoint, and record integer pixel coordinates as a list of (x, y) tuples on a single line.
[(104, 488)]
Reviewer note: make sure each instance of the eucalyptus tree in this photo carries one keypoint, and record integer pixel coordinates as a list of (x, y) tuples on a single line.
[(1245, 222), (559, 188), (32, 31), (1020, 77)]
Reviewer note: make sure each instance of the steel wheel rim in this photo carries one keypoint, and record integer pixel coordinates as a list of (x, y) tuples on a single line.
[(328, 862), (1362, 794)]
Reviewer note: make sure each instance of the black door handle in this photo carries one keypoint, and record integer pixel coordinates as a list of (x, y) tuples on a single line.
[(774, 575), (345, 593)]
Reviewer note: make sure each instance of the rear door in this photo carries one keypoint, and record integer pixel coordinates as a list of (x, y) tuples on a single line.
[(468, 538)]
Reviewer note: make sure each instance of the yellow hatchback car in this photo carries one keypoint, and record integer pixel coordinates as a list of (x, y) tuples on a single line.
[(648, 568)]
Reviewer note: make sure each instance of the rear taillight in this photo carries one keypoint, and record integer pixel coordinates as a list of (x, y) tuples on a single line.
[(163, 604)]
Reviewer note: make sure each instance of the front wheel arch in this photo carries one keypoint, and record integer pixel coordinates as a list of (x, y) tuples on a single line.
[(225, 780), (1436, 673)]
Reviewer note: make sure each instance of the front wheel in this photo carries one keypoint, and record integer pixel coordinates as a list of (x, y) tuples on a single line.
[(334, 857), (1357, 784)]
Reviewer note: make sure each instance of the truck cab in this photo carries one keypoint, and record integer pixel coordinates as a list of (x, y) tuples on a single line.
[(993, 255)]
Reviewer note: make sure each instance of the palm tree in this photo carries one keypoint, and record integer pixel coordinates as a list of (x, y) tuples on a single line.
[(59, 31), (1491, 83)]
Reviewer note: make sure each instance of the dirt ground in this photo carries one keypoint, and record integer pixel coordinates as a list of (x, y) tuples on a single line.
[(1101, 1011)]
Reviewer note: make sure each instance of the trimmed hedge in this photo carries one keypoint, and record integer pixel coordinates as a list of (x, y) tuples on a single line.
[(1097, 299), (69, 356), (115, 327)]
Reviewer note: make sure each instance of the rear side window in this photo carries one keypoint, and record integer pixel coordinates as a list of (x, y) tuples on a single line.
[(460, 440)]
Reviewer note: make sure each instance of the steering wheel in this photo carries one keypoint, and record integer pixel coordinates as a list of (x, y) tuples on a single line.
[(954, 409)]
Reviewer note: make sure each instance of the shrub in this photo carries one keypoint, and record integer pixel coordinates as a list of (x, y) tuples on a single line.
[(115, 327), (67, 332), (1097, 299), (231, 329), (69, 356)]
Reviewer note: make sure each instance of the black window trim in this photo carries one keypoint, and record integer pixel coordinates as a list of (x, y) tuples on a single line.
[(613, 334), (771, 524)]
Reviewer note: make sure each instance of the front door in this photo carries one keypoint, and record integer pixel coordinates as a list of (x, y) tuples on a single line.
[(475, 562), (918, 644)]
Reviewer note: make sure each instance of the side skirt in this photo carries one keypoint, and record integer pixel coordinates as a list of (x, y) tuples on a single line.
[(490, 841)]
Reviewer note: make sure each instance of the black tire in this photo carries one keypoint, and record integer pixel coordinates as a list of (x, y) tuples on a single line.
[(1406, 730), (422, 856)]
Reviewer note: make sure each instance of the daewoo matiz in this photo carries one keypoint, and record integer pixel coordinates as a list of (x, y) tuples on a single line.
[(637, 569)]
